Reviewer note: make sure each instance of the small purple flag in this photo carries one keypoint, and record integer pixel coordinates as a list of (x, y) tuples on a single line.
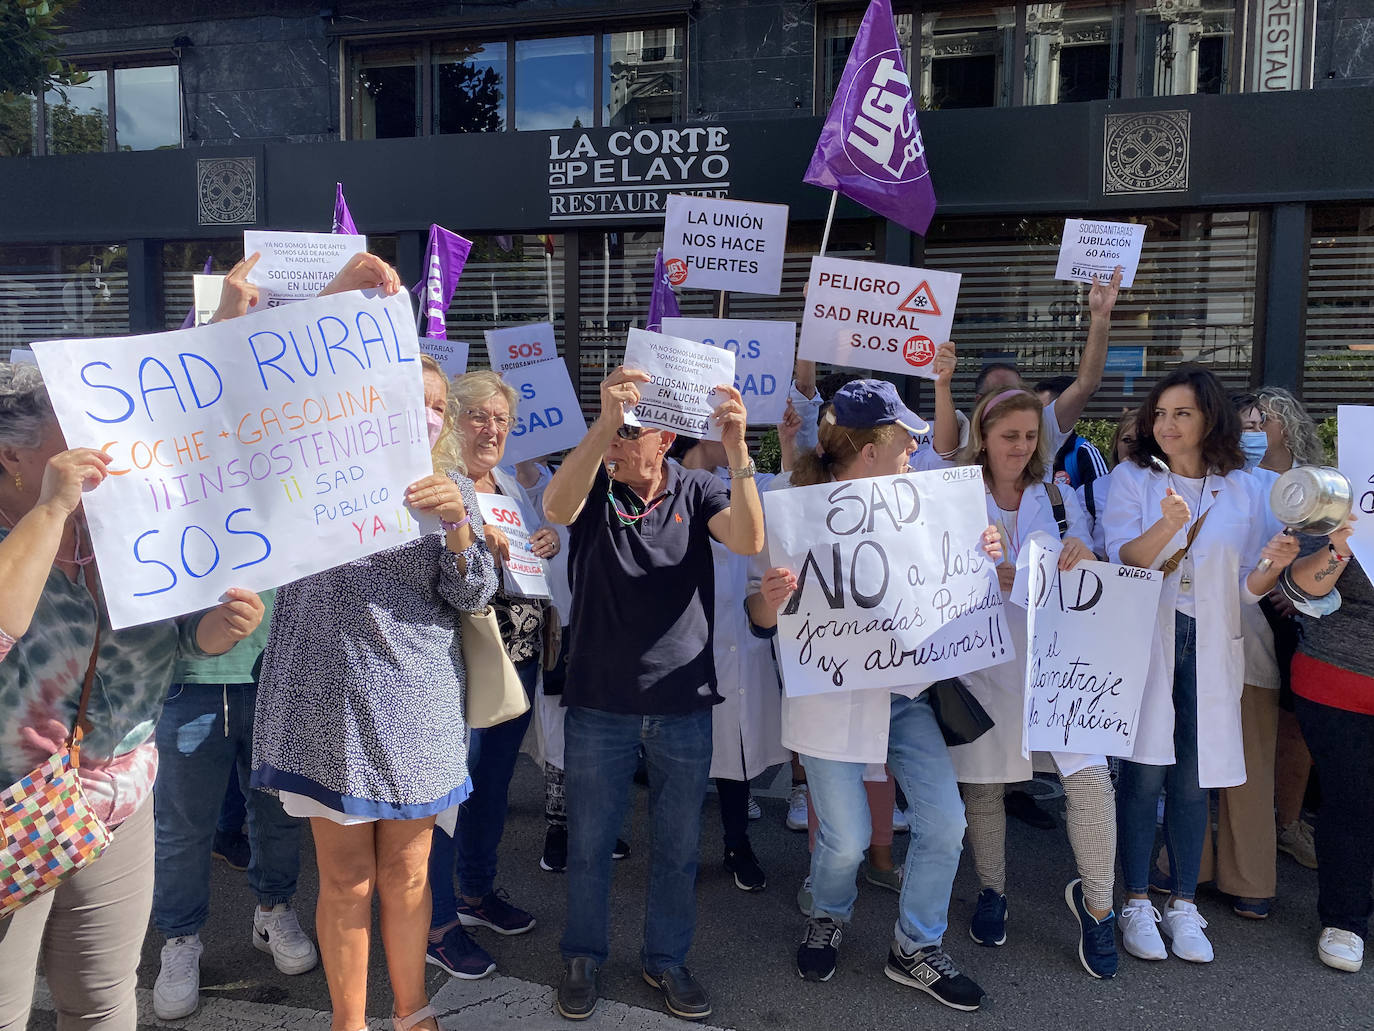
[(444, 261), (662, 300), (190, 319), (343, 220), (870, 148)]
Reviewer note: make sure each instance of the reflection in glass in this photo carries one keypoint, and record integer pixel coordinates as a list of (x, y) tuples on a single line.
[(147, 108), (553, 82), (642, 76), (469, 87), (50, 292), (386, 93), (18, 125), (1073, 52), (1184, 47), (80, 123), (837, 37), (966, 57)]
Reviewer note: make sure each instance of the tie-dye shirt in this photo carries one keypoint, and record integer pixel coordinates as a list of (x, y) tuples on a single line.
[(40, 687)]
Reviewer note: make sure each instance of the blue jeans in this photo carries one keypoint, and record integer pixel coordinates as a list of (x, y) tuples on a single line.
[(197, 748), (1185, 807), (492, 752), (919, 760), (601, 750), (233, 814)]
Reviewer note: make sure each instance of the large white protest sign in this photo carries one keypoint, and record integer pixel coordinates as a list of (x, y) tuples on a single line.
[(683, 375), (765, 353), (894, 588), (1092, 248), (248, 453), (206, 290), (548, 418), (1087, 657), (517, 346), (296, 266), (1355, 444), (871, 316), (524, 570), (712, 243), (452, 355)]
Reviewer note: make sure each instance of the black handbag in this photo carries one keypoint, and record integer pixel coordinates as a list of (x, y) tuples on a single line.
[(961, 717)]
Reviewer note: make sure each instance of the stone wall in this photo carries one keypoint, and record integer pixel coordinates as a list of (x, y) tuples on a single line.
[(1344, 47)]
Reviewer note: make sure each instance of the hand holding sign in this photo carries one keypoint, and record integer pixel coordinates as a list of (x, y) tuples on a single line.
[(439, 495), (1102, 296), (620, 394), (228, 623), (238, 296), (71, 473), (364, 271), (730, 418)]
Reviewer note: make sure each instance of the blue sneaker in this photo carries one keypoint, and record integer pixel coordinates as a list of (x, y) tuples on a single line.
[(1096, 938), (989, 926), (459, 956), (496, 912)]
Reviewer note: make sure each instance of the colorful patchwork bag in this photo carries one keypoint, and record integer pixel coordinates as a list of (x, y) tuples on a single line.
[(48, 827)]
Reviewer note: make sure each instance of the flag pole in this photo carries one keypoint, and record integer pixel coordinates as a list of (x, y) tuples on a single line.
[(830, 217)]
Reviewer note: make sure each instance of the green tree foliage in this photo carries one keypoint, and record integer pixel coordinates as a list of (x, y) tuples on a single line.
[(30, 48)]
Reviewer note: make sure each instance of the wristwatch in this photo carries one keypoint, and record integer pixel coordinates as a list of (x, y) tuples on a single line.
[(744, 472)]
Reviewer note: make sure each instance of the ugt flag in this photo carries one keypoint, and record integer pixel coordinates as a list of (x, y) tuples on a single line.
[(662, 300), (444, 261), (870, 147), (343, 218)]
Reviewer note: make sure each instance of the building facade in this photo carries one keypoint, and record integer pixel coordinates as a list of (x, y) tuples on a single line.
[(549, 133)]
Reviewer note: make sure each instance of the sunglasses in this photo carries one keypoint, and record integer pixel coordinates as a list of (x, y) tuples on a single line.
[(630, 432)]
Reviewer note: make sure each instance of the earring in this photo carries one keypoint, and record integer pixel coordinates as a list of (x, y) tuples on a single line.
[(18, 483)]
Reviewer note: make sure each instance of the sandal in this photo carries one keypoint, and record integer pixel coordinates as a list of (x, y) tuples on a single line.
[(418, 1017)]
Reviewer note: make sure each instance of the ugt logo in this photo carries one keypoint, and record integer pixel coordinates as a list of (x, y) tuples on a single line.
[(883, 141)]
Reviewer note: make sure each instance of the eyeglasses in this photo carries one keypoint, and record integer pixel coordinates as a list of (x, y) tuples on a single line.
[(628, 432), (485, 419)]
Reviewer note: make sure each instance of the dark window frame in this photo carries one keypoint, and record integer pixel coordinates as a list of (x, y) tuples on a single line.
[(109, 64)]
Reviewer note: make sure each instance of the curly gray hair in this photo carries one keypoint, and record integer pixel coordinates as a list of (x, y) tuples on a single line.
[(1299, 431), (25, 411)]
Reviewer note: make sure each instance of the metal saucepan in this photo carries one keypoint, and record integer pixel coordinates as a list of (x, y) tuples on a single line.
[(1312, 499)]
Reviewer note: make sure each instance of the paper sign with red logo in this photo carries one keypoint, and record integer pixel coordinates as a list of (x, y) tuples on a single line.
[(524, 571), (710, 243), (517, 346), (884, 317)]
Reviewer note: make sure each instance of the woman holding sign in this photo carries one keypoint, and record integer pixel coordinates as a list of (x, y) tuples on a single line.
[(1184, 504)]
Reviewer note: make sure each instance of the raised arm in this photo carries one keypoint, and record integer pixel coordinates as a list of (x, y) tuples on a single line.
[(567, 491), (1101, 300), (739, 527), (945, 436)]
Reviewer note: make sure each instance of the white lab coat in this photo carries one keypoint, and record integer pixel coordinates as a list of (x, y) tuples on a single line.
[(1224, 553), (995, 758)]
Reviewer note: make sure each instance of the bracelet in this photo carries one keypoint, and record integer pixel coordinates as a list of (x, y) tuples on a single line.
[(1339, 557), (451, 527)]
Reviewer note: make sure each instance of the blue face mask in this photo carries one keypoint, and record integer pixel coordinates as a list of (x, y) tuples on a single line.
[(1254, 443)]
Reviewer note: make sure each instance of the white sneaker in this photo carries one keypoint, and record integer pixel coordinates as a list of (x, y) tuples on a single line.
[(796, 808), (1139, 922), (754, 810), (1183, 924), (1342, 950), (279, 933), (900, 824), (176, 993)]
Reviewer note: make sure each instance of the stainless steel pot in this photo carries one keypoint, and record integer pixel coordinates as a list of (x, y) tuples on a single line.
[(1312, 499)]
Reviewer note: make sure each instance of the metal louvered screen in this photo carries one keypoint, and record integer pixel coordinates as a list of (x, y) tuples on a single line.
[(53, 305), (507, 281), (1339, 364)]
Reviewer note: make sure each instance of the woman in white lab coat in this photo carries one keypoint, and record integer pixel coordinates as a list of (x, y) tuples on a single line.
[(1184, 504)]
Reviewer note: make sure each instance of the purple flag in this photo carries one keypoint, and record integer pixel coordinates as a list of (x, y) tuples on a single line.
[(870, 147), (343, 221), (444, 262), (190, 319), (662, 300)]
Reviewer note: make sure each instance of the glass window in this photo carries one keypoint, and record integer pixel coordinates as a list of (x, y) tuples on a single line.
[(1184, 47), (642, 76), (967, 57), (58, 291), (147, 108), (553, 82), (385, 93), (79, 123), (837, 38), (1338, 365), (18, 125), (508, 281), (1073, 52), (469, 87)]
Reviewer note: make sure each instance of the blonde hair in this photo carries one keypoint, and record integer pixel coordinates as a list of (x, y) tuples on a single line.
[(991, 410), (428, 364), (838, 446), (469, 389)]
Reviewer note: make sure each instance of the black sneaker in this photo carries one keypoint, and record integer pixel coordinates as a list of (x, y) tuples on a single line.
[(555, 857), (576, 995), (989, 924), (233, 848), (934, 973), (459, 956), (1096, 938), (495, 911), (682, 993), (621, 849), (742, 862), (820, 947)]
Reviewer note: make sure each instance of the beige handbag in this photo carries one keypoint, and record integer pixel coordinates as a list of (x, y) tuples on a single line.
[(495, 693)]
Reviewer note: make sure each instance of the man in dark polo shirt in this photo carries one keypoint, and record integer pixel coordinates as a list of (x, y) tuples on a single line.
[(640, 671)]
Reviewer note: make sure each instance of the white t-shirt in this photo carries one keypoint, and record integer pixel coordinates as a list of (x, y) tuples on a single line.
[(1190, 490)]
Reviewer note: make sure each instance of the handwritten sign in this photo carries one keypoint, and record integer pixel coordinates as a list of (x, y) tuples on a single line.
[(452, 355), (764, 351), (548, 418), (248, 453), (206, 290), (1087, 658), (1355, 446), (524, 570), (711, 243), (296, 266), (518, 346), (1091, 248), (683, 375), (894, 588), (871, 316)]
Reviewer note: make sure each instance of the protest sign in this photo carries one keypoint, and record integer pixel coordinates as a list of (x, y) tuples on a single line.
[(894, 587), (452, 355), (518, 346), (683, 375), (1355, 444), (711, 243), (871, 316), (525, 574), (205, 293), (548, 418), (296, 266), (1087, 659), (1091, 248), (248, 453), (764, 351)]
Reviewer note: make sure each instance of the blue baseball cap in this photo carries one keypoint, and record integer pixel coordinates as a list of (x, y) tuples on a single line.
[(862, 404)]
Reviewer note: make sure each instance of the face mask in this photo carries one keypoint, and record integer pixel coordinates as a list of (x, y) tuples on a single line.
[(436, 424), (1254, 443)]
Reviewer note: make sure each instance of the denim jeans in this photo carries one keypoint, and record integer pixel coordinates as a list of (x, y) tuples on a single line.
[(1185, 807), (196, 751), (601, 752), (492, 752), (233, 814), (920, 763)]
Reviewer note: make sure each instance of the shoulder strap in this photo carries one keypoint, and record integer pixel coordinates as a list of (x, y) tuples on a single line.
[(1057, 507), (79, 726), (1178, 556)]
